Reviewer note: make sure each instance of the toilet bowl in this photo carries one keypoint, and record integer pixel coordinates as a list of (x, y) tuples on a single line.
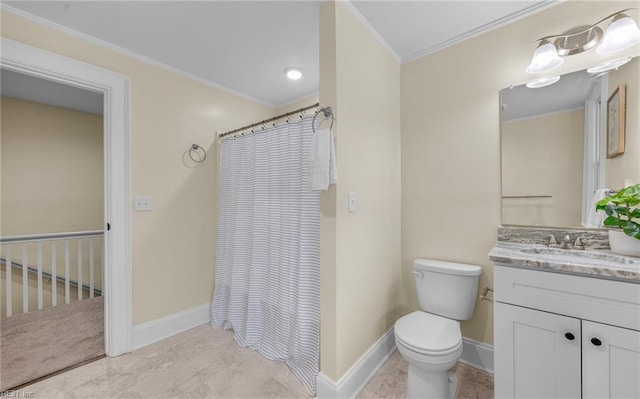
[(432, 343)]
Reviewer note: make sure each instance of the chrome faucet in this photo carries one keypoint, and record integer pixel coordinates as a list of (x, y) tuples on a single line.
[(565, 243)]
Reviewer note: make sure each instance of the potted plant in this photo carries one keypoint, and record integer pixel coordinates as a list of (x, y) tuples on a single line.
[(623, 219)]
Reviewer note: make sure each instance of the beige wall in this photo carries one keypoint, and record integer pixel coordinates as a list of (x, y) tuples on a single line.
[(328, 206), (173, 246), (310, 100), (451, 142), (52, 173), (363, 87), (627, 166), (542, 155), (52, 182)]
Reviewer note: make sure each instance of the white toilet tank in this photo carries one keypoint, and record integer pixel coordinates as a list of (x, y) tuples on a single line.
[(445, 288)]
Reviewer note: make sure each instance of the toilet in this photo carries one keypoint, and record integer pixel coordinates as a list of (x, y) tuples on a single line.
[(430, 339)]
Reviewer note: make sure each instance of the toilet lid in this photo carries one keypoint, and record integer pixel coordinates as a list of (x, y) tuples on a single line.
[(426, 332)]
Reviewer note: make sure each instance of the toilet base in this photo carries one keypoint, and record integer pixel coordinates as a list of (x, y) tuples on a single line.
[(429, 384), (453, 384)]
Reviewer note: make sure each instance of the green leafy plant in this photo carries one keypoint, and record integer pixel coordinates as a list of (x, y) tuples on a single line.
[(622, 210)]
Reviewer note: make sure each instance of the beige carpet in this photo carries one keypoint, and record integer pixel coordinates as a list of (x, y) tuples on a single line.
[(39, 343)]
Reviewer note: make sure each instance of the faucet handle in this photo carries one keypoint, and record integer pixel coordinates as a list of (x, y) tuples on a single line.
[(552, 240), (566, 238)]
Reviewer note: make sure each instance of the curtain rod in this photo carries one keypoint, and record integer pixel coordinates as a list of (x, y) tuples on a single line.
[(275, 118)]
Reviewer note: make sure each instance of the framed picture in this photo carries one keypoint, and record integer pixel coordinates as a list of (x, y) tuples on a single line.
[(616, 108)]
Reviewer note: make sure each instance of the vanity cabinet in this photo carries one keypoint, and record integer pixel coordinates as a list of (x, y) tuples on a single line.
[(610, 361), (565, 336)]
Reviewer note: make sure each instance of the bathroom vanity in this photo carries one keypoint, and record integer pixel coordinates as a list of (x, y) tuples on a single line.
[(567, 322)]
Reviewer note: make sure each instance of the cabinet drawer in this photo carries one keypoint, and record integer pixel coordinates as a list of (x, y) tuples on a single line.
[(604, 301)]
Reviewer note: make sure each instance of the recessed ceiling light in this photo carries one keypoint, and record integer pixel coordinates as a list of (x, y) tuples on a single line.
[(543, 82), (609, 65), (293, 73)]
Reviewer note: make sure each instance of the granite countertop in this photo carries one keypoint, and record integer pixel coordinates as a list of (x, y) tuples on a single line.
[(589, 263)]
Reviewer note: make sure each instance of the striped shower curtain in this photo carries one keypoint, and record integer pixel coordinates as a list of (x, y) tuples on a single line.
[(267, 286)]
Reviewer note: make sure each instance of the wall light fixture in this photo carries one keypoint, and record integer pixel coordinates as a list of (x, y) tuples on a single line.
[(621, 33)]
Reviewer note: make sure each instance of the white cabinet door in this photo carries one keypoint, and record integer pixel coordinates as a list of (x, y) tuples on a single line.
[(537, 354), (610, 361)]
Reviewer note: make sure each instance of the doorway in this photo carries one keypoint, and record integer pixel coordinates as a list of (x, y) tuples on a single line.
[(114, 88), (52, 227)]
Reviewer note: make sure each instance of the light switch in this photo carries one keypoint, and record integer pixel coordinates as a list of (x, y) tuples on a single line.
[(351, 204), (142, 203)]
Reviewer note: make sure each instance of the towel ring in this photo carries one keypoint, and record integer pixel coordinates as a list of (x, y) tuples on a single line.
[(197, 153), (328, 112)]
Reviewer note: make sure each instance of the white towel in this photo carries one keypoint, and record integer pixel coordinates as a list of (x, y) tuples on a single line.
[(323, 160), (595, 218)]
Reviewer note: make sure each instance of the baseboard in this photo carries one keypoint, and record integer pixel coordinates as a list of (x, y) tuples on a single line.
[(359, 375), (326, 387), (477, 354), (157, 330)]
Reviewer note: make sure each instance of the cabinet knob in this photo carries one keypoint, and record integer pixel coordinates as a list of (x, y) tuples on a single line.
[(570, 336), (596, 341)]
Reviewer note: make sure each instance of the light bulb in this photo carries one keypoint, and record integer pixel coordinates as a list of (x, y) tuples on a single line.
[(621, 34), (545, 58)]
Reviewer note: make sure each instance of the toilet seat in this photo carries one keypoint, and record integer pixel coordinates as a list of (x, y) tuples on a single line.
[(428, 334)]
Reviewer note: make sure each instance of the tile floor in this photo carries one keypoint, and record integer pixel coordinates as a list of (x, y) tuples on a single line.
[(205, 362), (391, 381)]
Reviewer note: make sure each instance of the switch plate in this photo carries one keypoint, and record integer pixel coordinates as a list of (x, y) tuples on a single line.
[(351, 201), (142, 203)]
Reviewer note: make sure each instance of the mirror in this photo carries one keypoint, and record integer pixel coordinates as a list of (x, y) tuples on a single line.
[(554, 147)]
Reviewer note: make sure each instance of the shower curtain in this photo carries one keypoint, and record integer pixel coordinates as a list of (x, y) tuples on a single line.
[(267, 286)]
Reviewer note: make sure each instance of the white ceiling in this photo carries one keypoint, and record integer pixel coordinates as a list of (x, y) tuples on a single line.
[(570, 92), (244, 46), (30, 88), (416, 28)]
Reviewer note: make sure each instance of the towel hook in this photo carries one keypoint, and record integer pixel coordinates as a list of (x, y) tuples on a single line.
[(328, 112)]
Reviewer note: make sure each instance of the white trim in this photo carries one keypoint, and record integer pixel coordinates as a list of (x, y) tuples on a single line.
[(371, 30), (359, 375), (326, 387), (168, 326), (500, 22), (477, 355), (117, 247), (94, 40), (474, 354), (592, 162)]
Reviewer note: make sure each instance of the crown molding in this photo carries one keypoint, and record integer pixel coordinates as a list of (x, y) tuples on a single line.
[(99, 42), (513, 17), (371, 30)]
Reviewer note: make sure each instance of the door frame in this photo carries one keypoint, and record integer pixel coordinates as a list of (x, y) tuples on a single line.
[(115, 89), (595, 144)]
